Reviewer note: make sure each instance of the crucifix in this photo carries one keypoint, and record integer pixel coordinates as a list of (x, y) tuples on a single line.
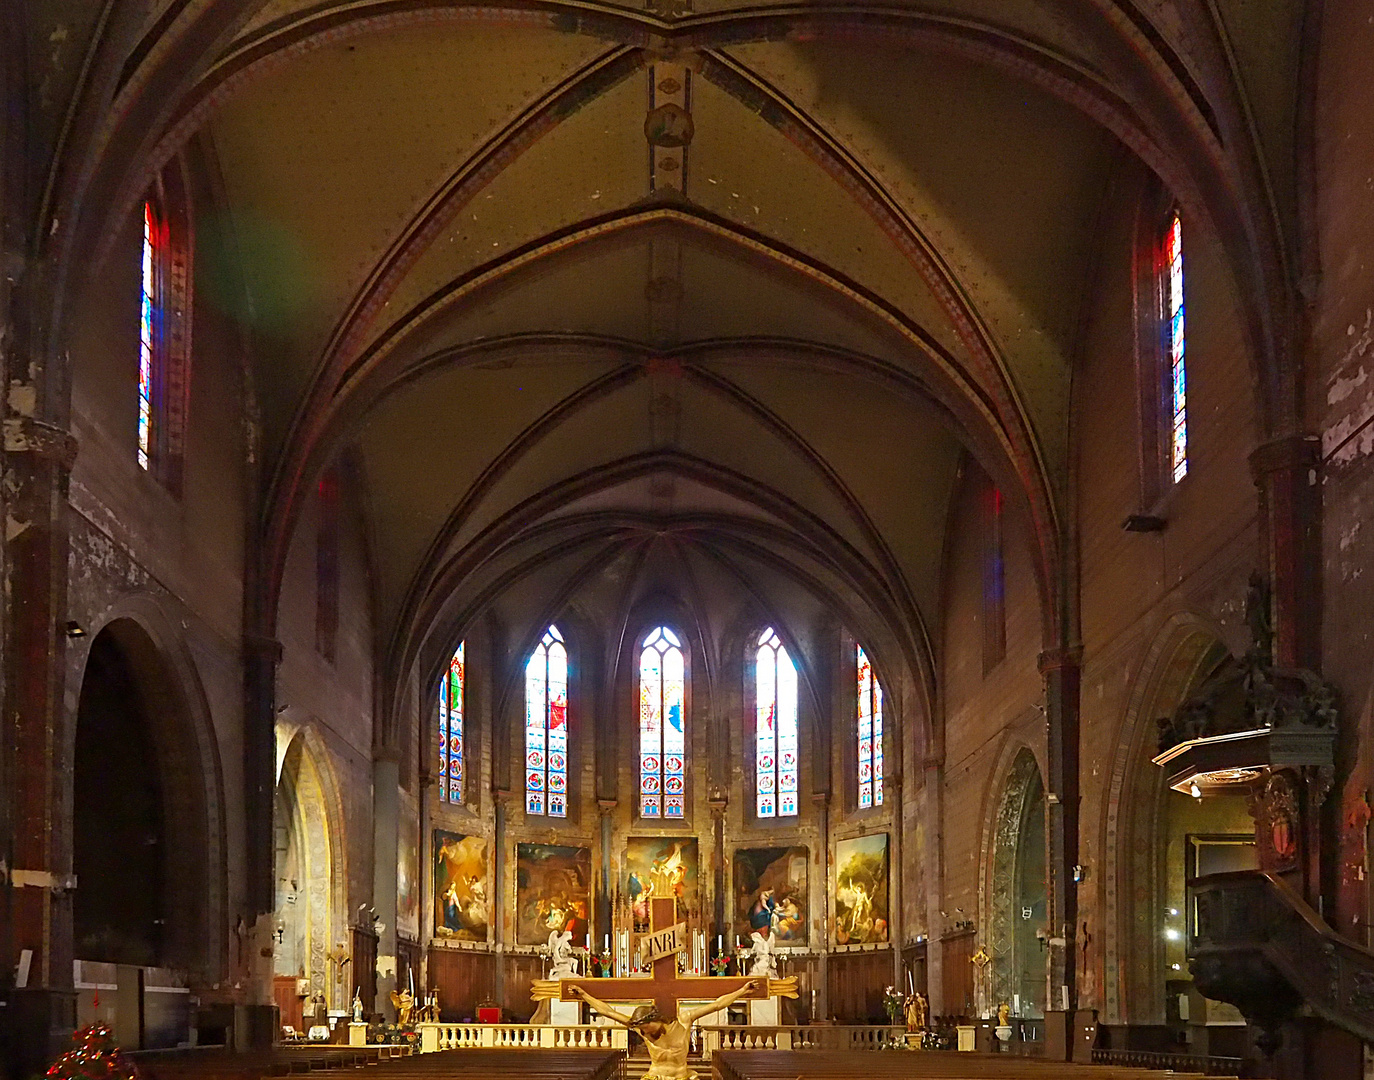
[(664, 1033)]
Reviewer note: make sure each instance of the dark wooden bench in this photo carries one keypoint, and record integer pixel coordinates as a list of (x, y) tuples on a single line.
[(910, 1065)]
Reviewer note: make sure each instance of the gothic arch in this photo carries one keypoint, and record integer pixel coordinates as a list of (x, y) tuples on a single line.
[(308, 794), (175, 708), (1183, 651), (1021, 793)]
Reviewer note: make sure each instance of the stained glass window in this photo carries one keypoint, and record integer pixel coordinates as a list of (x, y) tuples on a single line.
[(546, 727), (1178, 373), (452, 750), (870, 732), (662, 726), (775, 731), (149, 316)]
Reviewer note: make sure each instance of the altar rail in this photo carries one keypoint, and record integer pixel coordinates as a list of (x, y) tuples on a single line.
[(434, 1037), (799, 1037)]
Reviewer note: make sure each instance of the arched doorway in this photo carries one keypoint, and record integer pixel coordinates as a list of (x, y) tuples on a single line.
[(1154, 838), (141, 847), (309, 974), (1018, 893)]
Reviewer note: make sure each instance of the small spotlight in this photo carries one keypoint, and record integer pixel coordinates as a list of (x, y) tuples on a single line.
[(74, 629), (1173, 911), (1171, 934), (1177, 967), (1194, 790)]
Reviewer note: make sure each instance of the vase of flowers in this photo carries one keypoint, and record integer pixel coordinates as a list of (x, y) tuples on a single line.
[(893, 1004), (720, 965)]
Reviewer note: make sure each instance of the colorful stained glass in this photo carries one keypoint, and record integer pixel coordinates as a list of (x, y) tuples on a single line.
[(1178, 372), (451, 746), (149, 315), (775, 728), (546, 727), (662, 726), (870, 732)]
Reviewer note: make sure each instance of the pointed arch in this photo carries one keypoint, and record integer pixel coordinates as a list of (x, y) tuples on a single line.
[(776, 744), (546, 726), (662, 726)]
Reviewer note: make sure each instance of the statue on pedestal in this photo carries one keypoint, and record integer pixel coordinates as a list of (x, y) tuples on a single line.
[(765, 959), (562, 963), (358, 1005)]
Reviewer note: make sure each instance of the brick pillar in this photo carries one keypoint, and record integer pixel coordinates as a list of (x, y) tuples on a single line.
[(1061, 670), (256, 1021), (1287, 472), (37, 911)]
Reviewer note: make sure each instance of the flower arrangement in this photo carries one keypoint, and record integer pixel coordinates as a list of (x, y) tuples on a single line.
[(893, 1004), (94, 1057), (601, 963), (720, 965)]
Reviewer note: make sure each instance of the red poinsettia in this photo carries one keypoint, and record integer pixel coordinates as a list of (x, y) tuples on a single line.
[(94, 1056)]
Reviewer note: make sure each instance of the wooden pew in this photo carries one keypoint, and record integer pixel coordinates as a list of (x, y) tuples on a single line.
[(911, 1065), (386, 1063)]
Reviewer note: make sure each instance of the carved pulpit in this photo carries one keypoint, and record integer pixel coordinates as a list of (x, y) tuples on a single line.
[(664, 987)]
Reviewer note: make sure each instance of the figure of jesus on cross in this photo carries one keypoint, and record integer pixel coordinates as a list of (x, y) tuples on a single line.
[(665, 1034)]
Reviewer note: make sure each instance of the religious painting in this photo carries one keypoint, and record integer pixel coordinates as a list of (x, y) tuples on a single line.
[(460, 887), (770, 893), (861, 890), (658, 866), (552, 892), (408, 879)]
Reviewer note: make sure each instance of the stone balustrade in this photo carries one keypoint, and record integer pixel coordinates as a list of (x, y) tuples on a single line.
[(435, 1037), (798, 1037)]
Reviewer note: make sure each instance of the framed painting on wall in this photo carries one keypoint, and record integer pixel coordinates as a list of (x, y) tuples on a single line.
[(462, 911), (660, 866), (770, 893), (861, 890), (552, 892)]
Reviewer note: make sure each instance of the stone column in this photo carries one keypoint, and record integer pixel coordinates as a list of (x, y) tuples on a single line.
[(36, 910), (605, 918), (256, 1022), (933, 768), (1061, 670), (501, 798), (895, 922), (1287, 472), (386, 816), (821, 1008), (718, 804)]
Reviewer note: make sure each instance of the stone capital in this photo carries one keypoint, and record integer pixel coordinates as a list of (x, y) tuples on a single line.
[(25, 435), (1060, 659)]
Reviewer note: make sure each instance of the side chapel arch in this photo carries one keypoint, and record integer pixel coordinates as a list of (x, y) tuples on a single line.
[(136, 655), (1184, 651), (309, 865), (1014, 882)]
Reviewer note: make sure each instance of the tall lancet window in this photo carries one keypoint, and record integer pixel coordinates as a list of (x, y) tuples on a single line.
[(870, 732), (452, 749), (662, 726), (546, 727), (775, 731), (1177, 342), (149, 325)]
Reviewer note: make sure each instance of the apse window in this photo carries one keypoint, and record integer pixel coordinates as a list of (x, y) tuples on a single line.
[(546, 727), (662, 726), (775, 731), (163, 332), (452, 749), (1176, 352), (870, 733)]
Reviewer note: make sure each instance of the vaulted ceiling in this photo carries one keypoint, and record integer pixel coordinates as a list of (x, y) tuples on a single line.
[(563, 275)]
